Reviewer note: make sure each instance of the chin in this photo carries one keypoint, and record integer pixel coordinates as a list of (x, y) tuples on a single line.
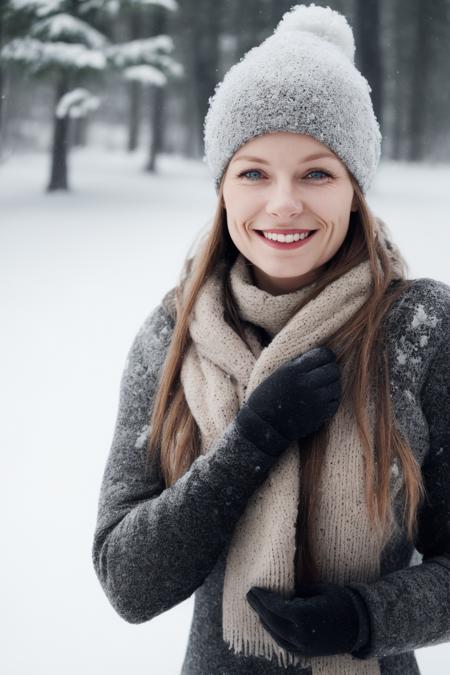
[(281, 272)]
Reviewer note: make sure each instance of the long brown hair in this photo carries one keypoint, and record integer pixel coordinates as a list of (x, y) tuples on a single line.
[(174, 439)]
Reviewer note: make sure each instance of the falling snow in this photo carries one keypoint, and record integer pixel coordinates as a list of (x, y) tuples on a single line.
[(421, 318), (141, 439)]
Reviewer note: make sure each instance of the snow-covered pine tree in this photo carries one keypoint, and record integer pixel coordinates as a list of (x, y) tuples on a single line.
[(145, 60), (15, 21), (63, 46)]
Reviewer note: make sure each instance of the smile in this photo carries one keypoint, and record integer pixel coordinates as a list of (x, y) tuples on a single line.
[(286, 245)]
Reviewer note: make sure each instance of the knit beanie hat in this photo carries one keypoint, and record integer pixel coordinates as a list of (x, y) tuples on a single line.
[(301, 79)]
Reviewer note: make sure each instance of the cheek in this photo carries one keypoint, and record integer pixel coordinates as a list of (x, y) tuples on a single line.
[(235, 226), (340, 235), (238, 218), (339, 212), (241, 203), (337, 218), (340, 230)]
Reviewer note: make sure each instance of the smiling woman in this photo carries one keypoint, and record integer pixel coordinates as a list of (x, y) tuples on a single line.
[(296, 397)]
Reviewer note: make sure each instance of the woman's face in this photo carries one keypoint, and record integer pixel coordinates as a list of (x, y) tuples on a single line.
[(284, 182)]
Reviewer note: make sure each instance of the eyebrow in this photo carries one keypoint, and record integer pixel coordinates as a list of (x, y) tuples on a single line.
[(319, 155)]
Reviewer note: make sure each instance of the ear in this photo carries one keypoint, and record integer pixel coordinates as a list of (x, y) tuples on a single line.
[(354, 206)]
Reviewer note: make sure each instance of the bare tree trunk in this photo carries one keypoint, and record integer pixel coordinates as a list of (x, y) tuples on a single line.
[(437, 136), (156, 126), (157, 101), (136, 31), (420, 90), (398, 91), (2, 80), (276, 9), (205, 46), (252, 24), (134, 114), (2, 105), (58, 171), (368, 51), (79, 131)]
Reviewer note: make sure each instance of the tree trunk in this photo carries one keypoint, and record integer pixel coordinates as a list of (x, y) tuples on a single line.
[(136, 30), (2, 80), (205, 46), (276, 9), (134, 114), (157, 100), (368, 50), (58, 172), (438, 107), (252, 25), (420, 91), (2, 106), (400, 44), (156, 126), (79, 135)]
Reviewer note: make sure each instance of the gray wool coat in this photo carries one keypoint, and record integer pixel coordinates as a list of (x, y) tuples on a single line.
[(153, 547)]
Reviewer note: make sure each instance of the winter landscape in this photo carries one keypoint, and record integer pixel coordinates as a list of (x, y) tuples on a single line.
[(102, 196)]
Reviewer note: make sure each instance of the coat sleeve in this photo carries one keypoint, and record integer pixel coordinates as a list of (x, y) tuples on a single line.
[(410, 608), (153, 546)]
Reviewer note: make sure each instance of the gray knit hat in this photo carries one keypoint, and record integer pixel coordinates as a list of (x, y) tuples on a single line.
[(301, 79)]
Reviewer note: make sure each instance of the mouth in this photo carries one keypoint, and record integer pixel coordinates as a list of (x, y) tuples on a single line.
[(305, 237)]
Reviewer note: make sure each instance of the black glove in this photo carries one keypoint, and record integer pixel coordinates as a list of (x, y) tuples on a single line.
[(293, 401), (321, 620)]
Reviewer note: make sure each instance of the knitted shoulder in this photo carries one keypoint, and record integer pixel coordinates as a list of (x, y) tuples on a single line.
[(169, 303), (421, 313), (153, 337)]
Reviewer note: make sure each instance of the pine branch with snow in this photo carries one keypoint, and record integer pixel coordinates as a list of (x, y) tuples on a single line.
[(116, 5), (77, 103), (66, 28), (148, 60), (59, 42), (42, 57)]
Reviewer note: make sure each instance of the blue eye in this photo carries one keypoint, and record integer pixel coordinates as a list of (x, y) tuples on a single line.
[(245, 173), (320, 174)]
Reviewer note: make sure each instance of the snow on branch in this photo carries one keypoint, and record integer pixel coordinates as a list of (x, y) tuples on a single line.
[(77, 103), (22, 50), (145, 75), (47, 7), (137, 52), (39, 55), (67, 28), (171, 5), (170, 66), (75, 56), (41, 7)]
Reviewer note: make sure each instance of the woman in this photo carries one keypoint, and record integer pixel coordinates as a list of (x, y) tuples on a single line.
[(282, 443)]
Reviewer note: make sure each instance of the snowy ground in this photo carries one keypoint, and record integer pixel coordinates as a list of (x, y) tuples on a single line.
[(79, 273)]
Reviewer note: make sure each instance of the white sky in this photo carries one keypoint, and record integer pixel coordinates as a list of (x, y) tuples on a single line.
[(79, 272)]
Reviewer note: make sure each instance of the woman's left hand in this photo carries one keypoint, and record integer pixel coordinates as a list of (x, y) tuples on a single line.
[(321, 620)]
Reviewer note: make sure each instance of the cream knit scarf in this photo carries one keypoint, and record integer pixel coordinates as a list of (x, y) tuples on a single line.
[(218, 374)]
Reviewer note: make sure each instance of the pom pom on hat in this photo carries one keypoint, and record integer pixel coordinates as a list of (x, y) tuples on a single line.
[(323, 22), (301, 79)]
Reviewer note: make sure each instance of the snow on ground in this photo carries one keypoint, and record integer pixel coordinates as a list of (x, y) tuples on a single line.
[(79, 273)]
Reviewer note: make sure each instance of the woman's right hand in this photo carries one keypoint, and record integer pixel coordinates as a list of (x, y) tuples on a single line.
[(294, 401)]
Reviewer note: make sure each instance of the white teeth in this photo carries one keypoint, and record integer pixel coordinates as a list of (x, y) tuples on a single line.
[(288, 238)]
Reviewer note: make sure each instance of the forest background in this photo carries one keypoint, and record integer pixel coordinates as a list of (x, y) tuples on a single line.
[(136, 74)]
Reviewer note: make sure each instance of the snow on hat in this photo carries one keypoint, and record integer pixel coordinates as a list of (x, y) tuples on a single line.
[(300, 79)]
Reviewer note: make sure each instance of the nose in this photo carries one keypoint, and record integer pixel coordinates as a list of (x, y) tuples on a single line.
[(283, 203)]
